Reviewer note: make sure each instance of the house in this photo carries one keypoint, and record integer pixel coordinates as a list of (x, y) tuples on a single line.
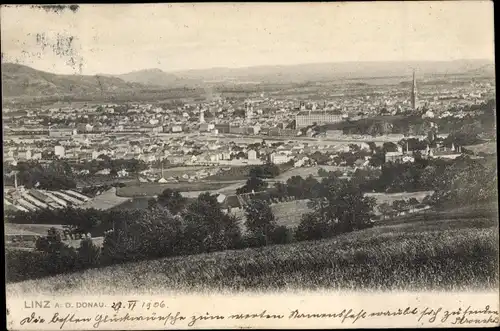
[(252, 155), (278, 158), (176, 128)]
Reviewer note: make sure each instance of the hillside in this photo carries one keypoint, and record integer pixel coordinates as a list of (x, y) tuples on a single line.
[(22, 81), (331, 71), (454, 253), (157, 77)]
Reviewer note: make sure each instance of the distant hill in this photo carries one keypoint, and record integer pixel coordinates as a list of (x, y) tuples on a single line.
[(23, 81), (486, 70), (157, 77), (332, 71)]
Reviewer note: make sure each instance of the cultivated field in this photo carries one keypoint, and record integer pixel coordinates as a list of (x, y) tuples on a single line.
[(450, 254)]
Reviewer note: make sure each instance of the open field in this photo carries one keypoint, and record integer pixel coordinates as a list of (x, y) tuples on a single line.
[(448, 254), (305, 172), (287, 213), (489, 147), (390, 197), (151, 189), (235, 173), (179, 171)]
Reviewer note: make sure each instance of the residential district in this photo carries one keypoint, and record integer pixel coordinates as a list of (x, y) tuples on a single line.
[(210, 138)]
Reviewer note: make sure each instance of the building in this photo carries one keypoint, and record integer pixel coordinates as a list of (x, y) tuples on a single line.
[(252, 155), (61, 132), (176, 128), (278, 158), (223, 128), (59, 151), (202, 116), (414, 92), (24, 155), (305, 119), (206, 127)]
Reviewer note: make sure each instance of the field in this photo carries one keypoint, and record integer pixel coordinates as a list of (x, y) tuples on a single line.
[(304, 172), (179, 171), (390, 197), (235, 173), (449, 254), (151, 189), (242, 172), (287, 213)]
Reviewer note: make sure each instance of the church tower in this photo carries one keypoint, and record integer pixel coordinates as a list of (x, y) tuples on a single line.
[(414, 92)]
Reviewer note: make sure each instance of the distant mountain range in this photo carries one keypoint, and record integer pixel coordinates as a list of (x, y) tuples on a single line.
[(22, 81), (341, 70), (157, 77)]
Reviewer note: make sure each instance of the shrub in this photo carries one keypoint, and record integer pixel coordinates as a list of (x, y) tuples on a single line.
[(313, 227), (88, 254), (281, 235)]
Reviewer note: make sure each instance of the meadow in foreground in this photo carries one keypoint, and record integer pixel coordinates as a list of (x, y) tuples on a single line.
[(451, 254)]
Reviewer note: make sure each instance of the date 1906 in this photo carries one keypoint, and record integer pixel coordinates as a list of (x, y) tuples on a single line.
[(132, 304)]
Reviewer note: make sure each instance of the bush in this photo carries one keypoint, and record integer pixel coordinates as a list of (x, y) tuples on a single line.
[(281, 235), (156, 233), (313, 227), (88, 254)]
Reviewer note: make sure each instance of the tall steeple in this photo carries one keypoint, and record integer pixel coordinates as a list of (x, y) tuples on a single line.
[(414, 92), (202, 115)]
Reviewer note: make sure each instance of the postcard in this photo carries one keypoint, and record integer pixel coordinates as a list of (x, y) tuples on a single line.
[(250, 165)]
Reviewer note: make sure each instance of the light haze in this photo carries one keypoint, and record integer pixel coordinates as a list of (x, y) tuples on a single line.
[(115, 39)]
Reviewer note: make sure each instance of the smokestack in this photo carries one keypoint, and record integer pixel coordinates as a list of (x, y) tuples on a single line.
[(15, 180), (414, 92)]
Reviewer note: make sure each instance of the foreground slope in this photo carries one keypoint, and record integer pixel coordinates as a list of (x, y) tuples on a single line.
[(412, 254)]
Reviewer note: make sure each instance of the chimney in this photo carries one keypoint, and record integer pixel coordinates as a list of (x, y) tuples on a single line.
[(15, 180)]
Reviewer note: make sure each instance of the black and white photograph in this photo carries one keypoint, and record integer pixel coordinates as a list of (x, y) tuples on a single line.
[(249, 149)]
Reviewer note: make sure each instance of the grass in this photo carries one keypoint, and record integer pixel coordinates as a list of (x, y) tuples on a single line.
[(150, 189), (391, 197), (287, 213), (304, 172), (452, 254), (235, 173)]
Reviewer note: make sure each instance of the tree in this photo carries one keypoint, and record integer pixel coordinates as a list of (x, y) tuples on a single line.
[(399, 206), (253, 184), (342, 205), (322, 172), (377, 160), (389, 147), (412, 203), (385, 209), (372, 145), (313, 227), (88, 253), (208, 228), (172, 200), (261, 221)]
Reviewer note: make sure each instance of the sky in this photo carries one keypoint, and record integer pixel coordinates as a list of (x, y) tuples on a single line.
[(116, 39)]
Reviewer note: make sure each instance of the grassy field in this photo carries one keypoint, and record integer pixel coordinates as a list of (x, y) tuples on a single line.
[(235, 173), (150, 189), (179, 171), (448, 254), (287, 213), (390, 197), (304, 172)]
